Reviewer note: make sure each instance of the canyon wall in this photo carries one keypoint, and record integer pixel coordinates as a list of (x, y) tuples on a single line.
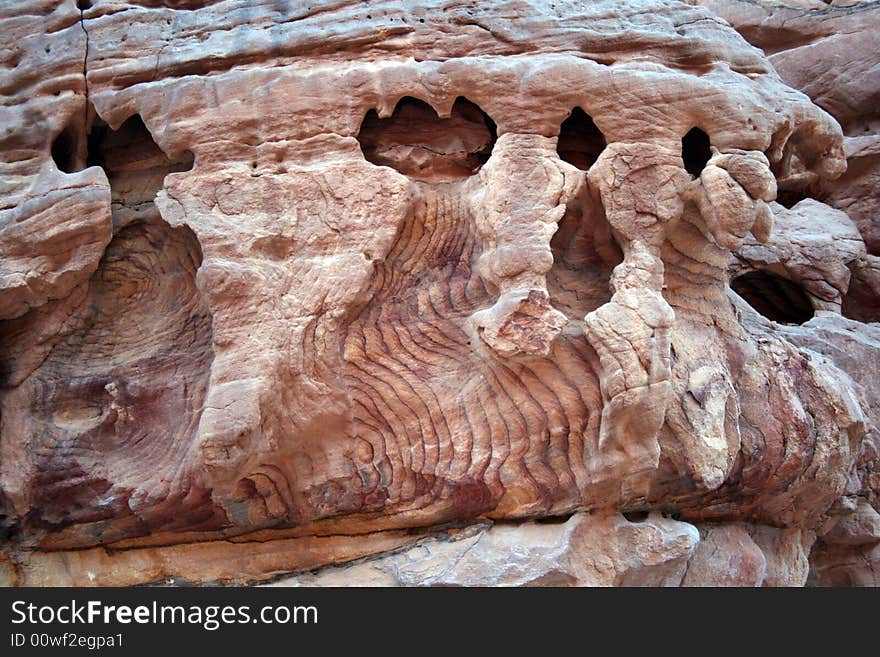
[(439, 292)]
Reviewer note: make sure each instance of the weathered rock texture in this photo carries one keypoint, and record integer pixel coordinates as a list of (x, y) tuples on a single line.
[(443, 286), (830, 53)]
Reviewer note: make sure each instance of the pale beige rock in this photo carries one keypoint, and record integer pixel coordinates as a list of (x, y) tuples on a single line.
[(244, 560), (860, 527), (786, 552), (843, 553), (585, 550), (53, 226), (829, 53), (726, 556), (845, 565)]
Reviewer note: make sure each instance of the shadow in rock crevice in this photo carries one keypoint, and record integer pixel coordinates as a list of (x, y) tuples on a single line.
[(776, 298), (580, 141)]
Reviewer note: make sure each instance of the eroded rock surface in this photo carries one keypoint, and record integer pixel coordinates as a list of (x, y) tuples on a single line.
[(320, 281), (828, 51)]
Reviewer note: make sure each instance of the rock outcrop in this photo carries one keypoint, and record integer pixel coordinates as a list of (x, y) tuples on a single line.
[(828, 51), (439, 293)]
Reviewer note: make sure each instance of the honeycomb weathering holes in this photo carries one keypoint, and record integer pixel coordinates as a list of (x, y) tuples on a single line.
[(114, 150), (580, 141), (584, 252), (417, 142), (130, 147)]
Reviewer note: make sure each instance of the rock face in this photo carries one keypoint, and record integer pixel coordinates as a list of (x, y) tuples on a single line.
[(445, 287), (829, 52), (587, 550), (583, 551)]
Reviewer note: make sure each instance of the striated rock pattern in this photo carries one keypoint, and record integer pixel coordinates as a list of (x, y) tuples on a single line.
[(439, 292)]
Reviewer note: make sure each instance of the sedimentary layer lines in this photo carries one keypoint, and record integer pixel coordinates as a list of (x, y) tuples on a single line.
[(436, 414)]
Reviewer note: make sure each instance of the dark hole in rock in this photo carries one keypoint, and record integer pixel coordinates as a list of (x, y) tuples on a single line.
[(135, 166), (775, 297), (68, 151), (695, 151), (8, 529), (667, 512), (584, 256), (417, 142), (82, 5), (8, 522), (580, 141), (96, 137), (133, 162), (793, 180), (635, 516), (862, 301), (553, 520), (791, 197)]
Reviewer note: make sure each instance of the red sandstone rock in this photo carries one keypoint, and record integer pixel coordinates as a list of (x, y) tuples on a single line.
[(307, 277), (830, 53)]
